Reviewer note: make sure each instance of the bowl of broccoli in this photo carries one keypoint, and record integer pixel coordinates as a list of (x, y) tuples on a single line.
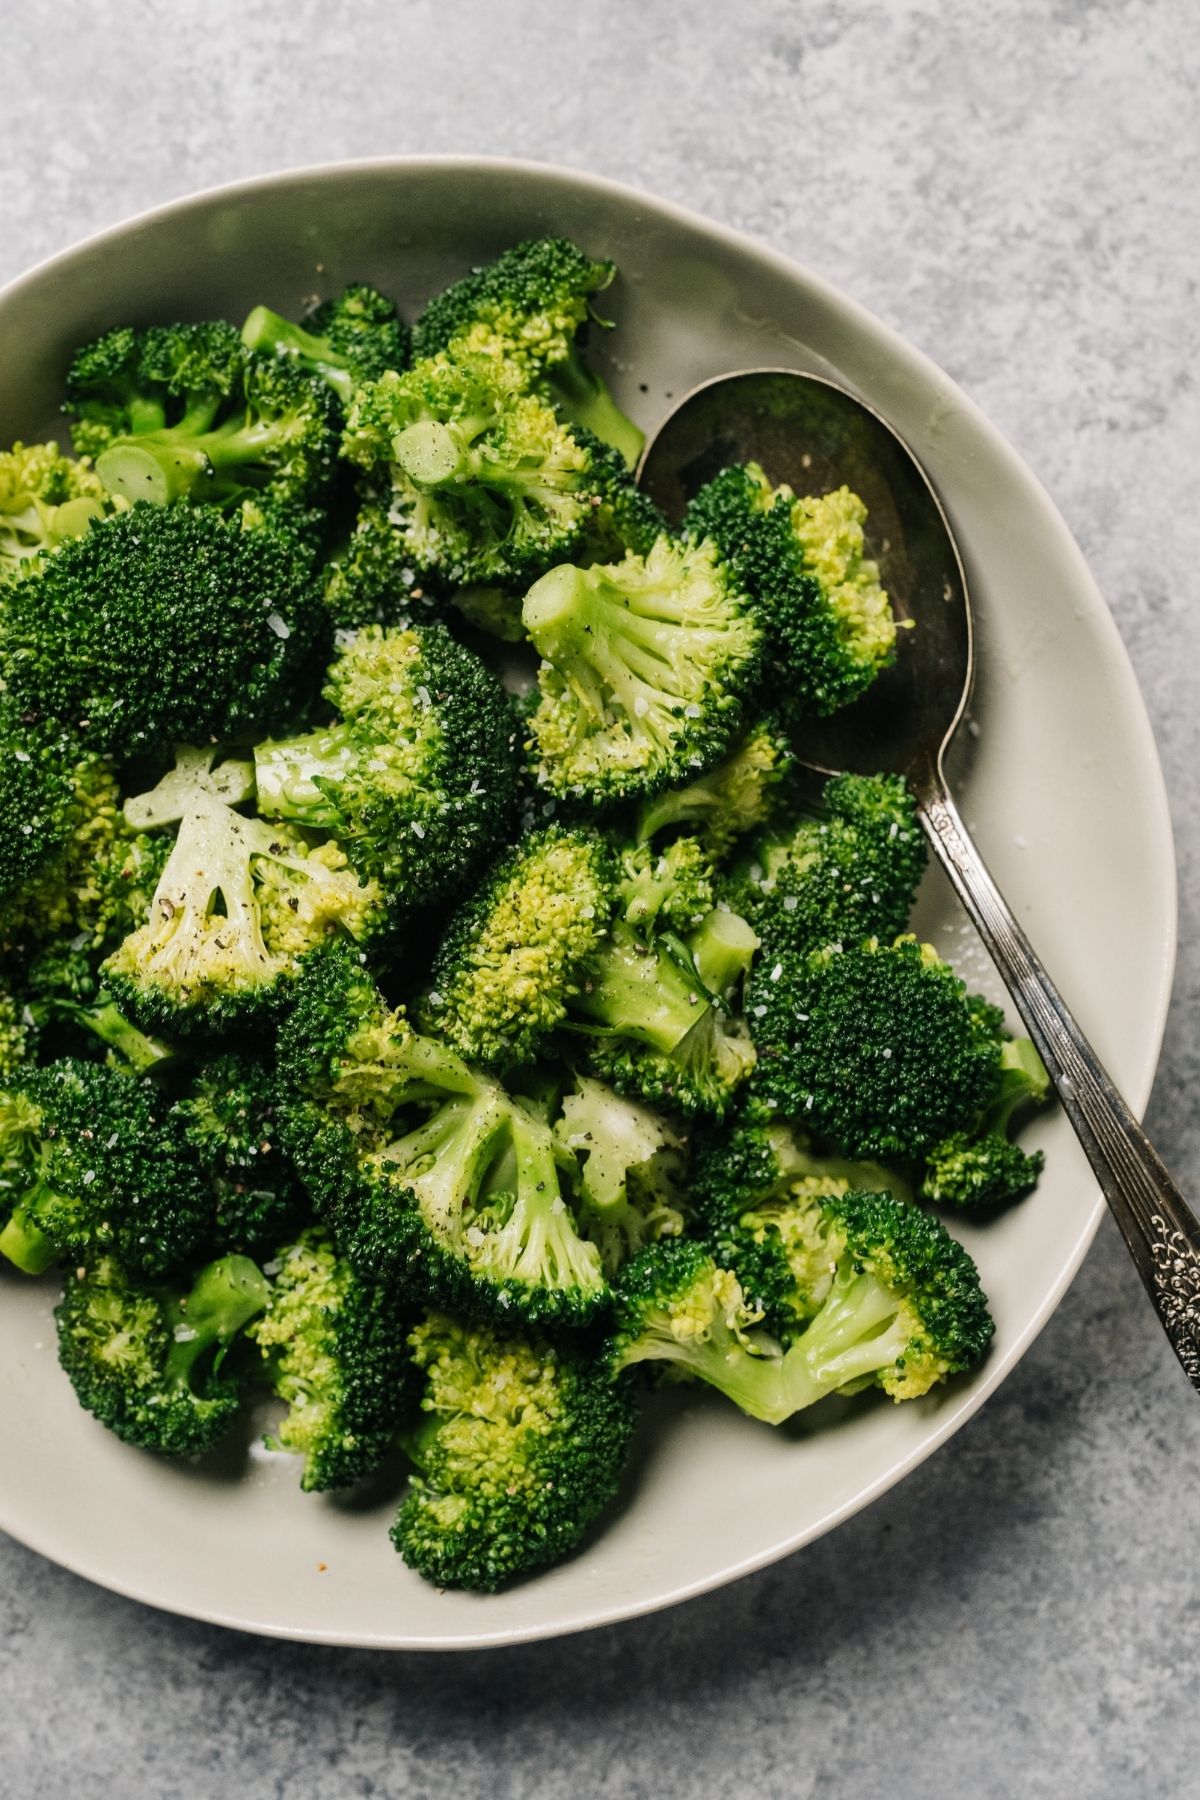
[(489, 1145)]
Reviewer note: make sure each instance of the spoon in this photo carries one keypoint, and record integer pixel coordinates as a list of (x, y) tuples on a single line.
[(811, 433)]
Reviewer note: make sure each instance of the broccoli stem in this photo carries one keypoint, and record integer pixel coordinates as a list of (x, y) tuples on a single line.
[(269, 333), (446, 1159), (583, 397), (288, 774), (23, 1241), (106, 1021), (168, 465), (224, 1298), (642, 993), (722, 947), (538, 1242)]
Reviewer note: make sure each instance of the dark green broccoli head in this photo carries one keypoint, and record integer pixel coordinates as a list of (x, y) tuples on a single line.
[(133, 381), (370, 578), (206, 629), (417, 780), (18, 1041), (648, 666), (879, 1049), (487, 485), (979, 1174), (150, 1363), (827, 621), (848, 874), (337, 1355), (231, 1118), (97, 1163), (355, 337), (521, 1450), (45, 499)]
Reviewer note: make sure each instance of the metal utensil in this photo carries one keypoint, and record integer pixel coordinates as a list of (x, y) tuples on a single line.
[(814, 435)]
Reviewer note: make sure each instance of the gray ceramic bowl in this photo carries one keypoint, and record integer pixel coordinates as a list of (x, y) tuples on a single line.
[(1061, 782)]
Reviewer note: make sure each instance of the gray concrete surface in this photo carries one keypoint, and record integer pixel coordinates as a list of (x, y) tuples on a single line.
[(1014, 187)]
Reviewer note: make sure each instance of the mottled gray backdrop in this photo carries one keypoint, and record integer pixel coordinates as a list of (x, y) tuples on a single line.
[(1015, 188)]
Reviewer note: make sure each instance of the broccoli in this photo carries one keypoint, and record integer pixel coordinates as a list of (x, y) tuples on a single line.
[(878, 1048), (179, 411), (531, 307), (848, 874), (428, 1173), (418, 777), (18, 1041), (337, 1355), (737, 795), (149, 1362), (487, 485), (100, 1020), (206, 628), (896, 1304), (370, 578), (521, 1450), (231, 1118), (45, 498), (827, 621), (93, 1161), (672, 887), (539, 947), (631, 1189), (982, 1169), (345, 341), (647, 667)]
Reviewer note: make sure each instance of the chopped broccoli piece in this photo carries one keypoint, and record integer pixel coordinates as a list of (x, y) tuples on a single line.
[(370, 578), (672, 887), (737, 795), (133, 381), (648, 663), (417, 780), (902, 1309), (231, 1117), (150, 1362), (487, 485), (45, 499), (206, 628), (337, 1355), (521, 1450), (631, 1189), (982, 1169), (531, 308), (353, 338), (93, 1161), (827, 621)]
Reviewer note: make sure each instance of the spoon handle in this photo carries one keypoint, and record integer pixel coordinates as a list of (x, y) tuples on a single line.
[(1162, 1232)]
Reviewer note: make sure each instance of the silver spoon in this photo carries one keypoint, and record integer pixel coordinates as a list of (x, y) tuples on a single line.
[(813, 434)]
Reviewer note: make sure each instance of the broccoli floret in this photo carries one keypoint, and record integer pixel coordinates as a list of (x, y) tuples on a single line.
[(417, 780), (672, 887), (206, 628), (150, 1362), (647, 666), (337, 1355), (184, 412), (231, 1117), (133, 381), (45, 498), (94, 1161), (487, 485), (878, 1048), (427, 1172), (353, 338), (18, 1040), (902, 1309), (735, 797), (521, 1450), (826, 618), (982, 1169), (631, 1190), (370, 578), (531, 307), (848, 874)]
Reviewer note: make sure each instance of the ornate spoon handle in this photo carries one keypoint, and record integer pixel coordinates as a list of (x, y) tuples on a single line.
[(1156, 1221)]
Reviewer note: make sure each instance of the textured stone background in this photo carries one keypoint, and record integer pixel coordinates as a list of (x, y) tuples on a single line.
[(1014, 187)]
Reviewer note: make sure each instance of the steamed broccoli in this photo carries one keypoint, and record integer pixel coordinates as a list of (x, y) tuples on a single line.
[(370, 577), (45, 499), (673, 887), (150, 1362), (94, 1161), (737, 795), (648, 665), (427, 1172), (337, 1355), (177, 411), (847, 874), (486, 484), (631, 1189), (531, 308), (353, 338), (18, 1039), (521, 1449), (205, 628), (417, 778), (231, 1118), (896, 1304), (982, 1168), (827, 620)]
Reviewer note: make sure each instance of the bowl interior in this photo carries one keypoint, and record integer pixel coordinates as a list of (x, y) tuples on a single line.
[(1058, 776)]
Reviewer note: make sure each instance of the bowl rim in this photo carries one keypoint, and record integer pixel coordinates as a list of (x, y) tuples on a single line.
[(952, 1417)]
